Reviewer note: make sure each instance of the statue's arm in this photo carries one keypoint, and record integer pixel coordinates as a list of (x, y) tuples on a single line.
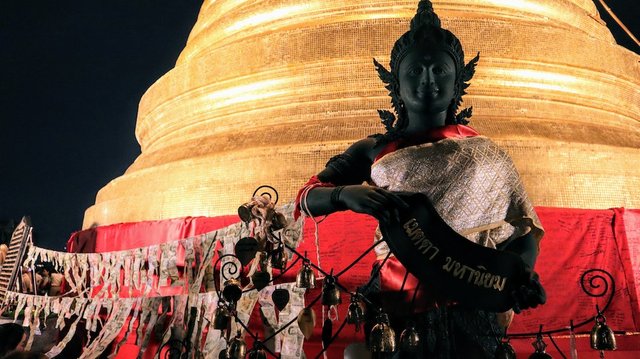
[(530, 293), (526, 247), (347, 172), (352, 167)]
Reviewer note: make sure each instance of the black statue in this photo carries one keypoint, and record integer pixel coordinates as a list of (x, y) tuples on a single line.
[(471, 185)]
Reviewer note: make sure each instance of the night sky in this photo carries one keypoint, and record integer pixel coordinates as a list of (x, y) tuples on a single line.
[(71, 76)]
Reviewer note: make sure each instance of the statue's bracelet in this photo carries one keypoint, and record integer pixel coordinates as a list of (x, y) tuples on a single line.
[(335, 198)]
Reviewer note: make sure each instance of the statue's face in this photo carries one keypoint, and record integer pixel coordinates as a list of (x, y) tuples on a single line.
[(427, 81)]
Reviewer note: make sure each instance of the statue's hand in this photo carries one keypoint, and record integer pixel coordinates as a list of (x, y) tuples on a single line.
[(374, 201), (529, 294)]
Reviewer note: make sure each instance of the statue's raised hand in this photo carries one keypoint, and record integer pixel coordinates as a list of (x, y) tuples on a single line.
[(374, 201)]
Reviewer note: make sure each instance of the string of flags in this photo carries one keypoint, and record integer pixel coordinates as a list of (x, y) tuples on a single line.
[(118, 291)]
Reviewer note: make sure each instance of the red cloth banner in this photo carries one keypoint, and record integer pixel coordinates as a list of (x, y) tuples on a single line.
[(576, 240)]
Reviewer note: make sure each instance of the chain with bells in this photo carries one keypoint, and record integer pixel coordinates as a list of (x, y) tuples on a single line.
[(231, 293), (331, 297), (602, 337), (306, 279)]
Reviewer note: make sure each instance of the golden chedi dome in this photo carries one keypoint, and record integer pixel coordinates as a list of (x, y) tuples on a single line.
[(266, 91)]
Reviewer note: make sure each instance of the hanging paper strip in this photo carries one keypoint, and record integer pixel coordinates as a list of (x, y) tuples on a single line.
[(289, 342), (112, 327)]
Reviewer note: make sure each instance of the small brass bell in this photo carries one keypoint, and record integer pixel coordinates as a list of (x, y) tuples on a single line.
[(237, 347), (232, 291), (505, 351), (244, 212), (278, 221), (540, 346), (330, 292), (382, 338), (221, 319), (602, 337), (279, 258), (305, 277), (257, 354), (355, 314), (410, 339)]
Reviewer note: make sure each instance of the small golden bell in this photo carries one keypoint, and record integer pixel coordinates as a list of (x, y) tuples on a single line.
[(410, 339), (232, 291), (330, 292), (382, 338), (305, 277), (279, 258), (221, 319), (237, 347), (355, 314), (602, 337)]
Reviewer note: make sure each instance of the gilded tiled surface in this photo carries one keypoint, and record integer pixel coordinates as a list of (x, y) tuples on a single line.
[(266, 91)]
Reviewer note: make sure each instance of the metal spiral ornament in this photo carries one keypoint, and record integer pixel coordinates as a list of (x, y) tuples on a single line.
[(229, 269), (266, 190), (598, 281)]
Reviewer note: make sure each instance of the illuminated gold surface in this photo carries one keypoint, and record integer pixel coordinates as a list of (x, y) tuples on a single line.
[(266, 91)]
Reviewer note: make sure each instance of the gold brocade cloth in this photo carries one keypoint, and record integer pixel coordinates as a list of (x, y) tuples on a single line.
[(472, 183)]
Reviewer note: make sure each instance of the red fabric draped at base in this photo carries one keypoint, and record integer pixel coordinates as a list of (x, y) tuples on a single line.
[(576, 240)]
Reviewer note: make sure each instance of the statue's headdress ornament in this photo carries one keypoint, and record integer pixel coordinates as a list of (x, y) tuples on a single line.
[(425, 30)]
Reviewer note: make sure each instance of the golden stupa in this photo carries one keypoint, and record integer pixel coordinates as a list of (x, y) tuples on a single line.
[(267, 90)]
